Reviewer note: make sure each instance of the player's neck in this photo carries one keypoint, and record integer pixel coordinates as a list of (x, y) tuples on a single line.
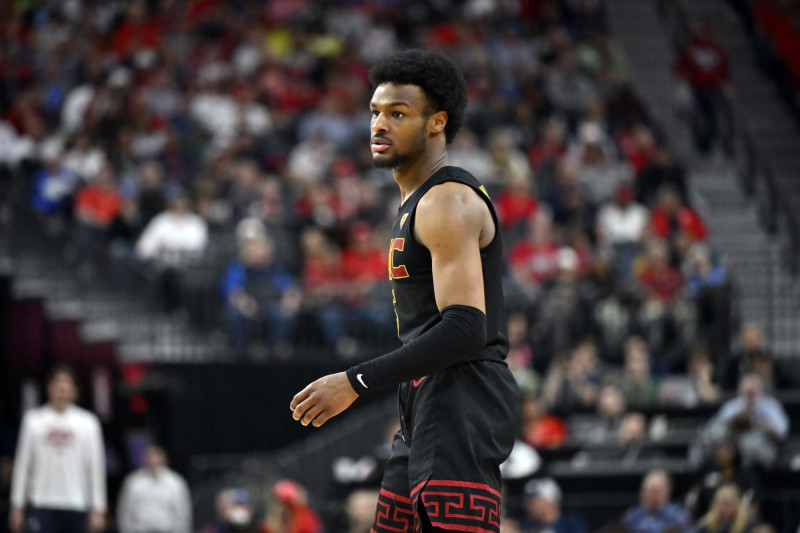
[(411, 176)]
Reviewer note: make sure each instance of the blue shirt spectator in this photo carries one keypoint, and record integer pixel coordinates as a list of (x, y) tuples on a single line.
[(52, 189), (655, 512), (261, 298)]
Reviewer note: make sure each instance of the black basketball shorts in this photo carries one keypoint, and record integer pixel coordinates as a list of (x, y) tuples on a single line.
[(457, 426)]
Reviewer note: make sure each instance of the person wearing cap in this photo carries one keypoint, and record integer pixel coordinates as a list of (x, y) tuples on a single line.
[(543, 512), (235, 512), (289, 511)]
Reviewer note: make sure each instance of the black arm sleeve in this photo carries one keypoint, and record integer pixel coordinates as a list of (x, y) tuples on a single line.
[(460, 333)]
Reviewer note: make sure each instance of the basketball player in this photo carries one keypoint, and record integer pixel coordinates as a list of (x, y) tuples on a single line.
[(458, 400)]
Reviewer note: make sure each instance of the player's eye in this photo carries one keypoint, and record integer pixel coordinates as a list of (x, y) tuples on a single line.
[(375, 113), (398, 114)]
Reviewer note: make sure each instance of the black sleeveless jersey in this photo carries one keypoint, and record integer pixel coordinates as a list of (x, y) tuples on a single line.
[(411, 273)]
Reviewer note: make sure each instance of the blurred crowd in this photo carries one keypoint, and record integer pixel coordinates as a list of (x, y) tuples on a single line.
[(179, 136), (186, 136)]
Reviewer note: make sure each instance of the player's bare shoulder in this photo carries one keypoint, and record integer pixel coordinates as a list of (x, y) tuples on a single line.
[(453, 210)]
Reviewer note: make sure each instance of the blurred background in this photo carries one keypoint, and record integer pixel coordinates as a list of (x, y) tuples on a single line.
[(189, 218)]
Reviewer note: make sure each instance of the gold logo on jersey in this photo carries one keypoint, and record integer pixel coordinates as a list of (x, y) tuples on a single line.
[(484, 191), (403, 220)]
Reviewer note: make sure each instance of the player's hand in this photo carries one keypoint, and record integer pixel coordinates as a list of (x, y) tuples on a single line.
[(97, 522), (323, 399), (16, 520)]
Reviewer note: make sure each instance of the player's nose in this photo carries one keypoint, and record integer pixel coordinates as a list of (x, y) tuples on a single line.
[(378, 124)]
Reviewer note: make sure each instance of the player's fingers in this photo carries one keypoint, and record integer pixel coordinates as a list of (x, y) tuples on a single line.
[(299, 397), (321, 419), (301, 408), (311, 414)]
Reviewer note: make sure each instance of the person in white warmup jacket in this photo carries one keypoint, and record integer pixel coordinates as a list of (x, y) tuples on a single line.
[(59, 480), (154, 498)]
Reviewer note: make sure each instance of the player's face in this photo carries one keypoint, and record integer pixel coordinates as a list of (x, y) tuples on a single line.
[(399, 126)]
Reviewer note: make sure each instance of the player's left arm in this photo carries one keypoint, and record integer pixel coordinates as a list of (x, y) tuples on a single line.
[(451, 221)]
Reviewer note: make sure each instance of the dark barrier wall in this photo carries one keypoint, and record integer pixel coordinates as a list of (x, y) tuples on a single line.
[(221, 409)]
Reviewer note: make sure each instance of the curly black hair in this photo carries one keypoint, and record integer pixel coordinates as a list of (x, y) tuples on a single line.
[(433, 72)]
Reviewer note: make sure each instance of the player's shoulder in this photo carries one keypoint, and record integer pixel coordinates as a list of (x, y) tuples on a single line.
[(451, 199), (453, 187)]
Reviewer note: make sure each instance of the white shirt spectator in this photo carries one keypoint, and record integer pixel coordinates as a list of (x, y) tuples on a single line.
[(223, 117), (85, 164), (173, 237), (60, 461), (155, 501), (620, 224), (75, 105)]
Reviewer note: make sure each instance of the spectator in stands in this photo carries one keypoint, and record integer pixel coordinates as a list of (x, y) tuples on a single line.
[(755, 357), (599, 173), (655, 511), (703, 64), (53, 187), (507, 160), (262, 300), (708, 285), (154, 498), (467, 152), (289, 511), (671, 216), (568, 88), (534, 260), (360, 509), (97, 204), (84, 159), (564, 310), (364, 263), (701, 271), (543, 511), (661, 171), (620, 227), (551, 147), (637, 384), (235, 513), (724, 467), (171, 241), (755, 420), (516, 203), (662, 286), (347, 303), (632, 434), (604, 425), (728, 513), (539, 428), (59, 477), (574, 382)]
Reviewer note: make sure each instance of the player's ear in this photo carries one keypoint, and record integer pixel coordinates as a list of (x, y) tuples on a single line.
[(437, 122)]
